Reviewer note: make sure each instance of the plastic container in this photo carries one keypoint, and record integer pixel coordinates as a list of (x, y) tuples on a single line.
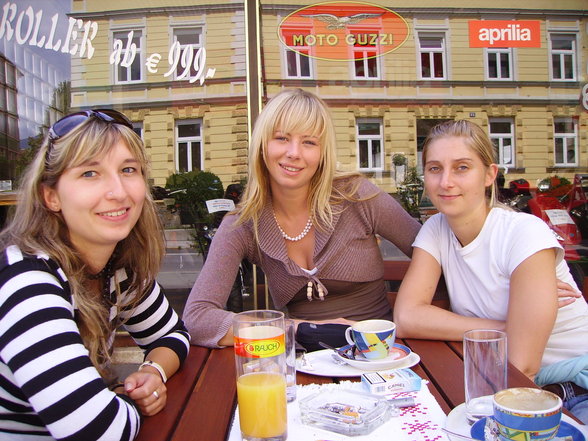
[(346, 412)]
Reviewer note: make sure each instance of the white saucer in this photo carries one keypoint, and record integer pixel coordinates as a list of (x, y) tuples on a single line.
[(398, 358), (456, 422), (323, 365)]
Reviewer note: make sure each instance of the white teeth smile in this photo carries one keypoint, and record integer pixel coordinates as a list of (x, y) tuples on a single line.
[(292, 169), (114, 213)]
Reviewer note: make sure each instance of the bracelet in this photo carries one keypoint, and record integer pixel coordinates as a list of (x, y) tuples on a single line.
[(112, 387), (156, 366)]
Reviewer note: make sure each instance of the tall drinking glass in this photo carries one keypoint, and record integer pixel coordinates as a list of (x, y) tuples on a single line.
[(485, 363), (260, 357)]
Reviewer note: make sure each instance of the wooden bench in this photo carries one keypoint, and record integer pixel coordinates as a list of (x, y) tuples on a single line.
[(394, 272)]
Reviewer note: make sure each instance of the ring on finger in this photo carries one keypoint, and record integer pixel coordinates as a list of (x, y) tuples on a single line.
[(156, 395)]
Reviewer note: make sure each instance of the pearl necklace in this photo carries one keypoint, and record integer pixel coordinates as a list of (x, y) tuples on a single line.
[(300, 236)]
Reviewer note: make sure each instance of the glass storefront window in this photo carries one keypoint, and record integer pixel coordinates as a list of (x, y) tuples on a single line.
[(192, 75)]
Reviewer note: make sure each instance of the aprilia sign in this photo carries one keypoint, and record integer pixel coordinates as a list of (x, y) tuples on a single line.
[(505, 33)]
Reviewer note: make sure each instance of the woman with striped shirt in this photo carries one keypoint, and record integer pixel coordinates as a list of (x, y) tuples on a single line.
[(80, 259)]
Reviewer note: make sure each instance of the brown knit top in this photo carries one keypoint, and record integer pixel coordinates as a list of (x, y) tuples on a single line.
[(348, 261)]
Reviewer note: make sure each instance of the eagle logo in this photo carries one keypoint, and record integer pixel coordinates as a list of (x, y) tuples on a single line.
[(334, 22)]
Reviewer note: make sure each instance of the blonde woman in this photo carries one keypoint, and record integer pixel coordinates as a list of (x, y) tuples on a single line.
[(501, 268), (80, 259), (310, 228)]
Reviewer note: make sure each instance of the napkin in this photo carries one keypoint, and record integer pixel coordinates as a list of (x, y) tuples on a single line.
[(422, 422)]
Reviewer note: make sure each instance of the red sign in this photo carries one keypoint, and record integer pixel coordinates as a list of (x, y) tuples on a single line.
[(505, 33), (343, 31)]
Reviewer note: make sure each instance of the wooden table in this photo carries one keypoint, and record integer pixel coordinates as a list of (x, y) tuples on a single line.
[(202, 395)]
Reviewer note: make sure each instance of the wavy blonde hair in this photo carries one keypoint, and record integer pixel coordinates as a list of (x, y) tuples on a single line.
[(35, 228), (297, 111), (476, 139)]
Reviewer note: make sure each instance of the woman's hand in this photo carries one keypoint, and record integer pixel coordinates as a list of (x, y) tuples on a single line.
[(566, 294), (147, 390)]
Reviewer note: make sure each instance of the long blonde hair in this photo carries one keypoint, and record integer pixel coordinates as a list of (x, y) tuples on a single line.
[(297, 111), (476, 139), (35, 228)]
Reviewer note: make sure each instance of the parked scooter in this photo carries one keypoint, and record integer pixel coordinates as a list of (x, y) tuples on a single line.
[(548, 204), (577, 203)]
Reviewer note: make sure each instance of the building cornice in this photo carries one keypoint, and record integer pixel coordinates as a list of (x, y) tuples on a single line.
[(163, 10), (287, 9), (441, 84), (156, 85)]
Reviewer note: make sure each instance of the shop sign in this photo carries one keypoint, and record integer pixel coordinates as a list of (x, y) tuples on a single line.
[(336, 30), (29, 27), (584, 97), (505, 33)]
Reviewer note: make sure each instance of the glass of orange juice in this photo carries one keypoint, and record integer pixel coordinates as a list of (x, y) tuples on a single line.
[(260, 357)]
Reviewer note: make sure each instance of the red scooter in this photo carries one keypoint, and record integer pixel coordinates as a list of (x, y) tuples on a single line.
[(554, 203)]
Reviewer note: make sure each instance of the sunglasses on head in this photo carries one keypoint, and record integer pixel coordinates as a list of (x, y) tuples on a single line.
[(69, 122)]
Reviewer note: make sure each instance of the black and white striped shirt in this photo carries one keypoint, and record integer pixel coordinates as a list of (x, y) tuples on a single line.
[(49, 388)]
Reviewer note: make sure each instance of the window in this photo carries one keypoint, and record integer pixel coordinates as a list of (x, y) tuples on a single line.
[(11, 100), (566, 141), (10, 75), (128, 67), (499, 63), (188, 146), (369, 140), (365, 59), (2, 97), (563, 57), (366, 64), (298, 63), (138, 129), (423, 127), (502, 136), (432, 56), (190, 43)]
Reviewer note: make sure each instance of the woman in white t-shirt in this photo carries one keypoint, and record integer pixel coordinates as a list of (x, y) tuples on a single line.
[(501, 269)]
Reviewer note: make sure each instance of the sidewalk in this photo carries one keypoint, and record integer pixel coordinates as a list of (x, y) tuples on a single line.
[(180, 268)]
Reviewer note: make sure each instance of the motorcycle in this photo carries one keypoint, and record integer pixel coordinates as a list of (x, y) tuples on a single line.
[(553, 203)]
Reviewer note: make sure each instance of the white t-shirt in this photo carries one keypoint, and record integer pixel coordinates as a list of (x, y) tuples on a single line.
[(478, 275)]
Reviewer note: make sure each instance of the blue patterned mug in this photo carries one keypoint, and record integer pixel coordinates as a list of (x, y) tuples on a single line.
[(373, 338), (526, 414)]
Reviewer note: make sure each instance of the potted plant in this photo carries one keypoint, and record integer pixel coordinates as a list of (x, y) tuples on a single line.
[(191, 190), (400, 162), (410, 191)]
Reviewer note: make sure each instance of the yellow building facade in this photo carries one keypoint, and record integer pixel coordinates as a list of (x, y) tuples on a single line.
[(528, 98), (177, 69), (192, 75)]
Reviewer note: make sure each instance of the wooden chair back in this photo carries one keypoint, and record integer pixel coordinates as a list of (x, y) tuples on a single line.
[(394, 272)]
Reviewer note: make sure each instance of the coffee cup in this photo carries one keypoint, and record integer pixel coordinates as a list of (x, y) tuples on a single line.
[(522, 411), (373, 338)]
